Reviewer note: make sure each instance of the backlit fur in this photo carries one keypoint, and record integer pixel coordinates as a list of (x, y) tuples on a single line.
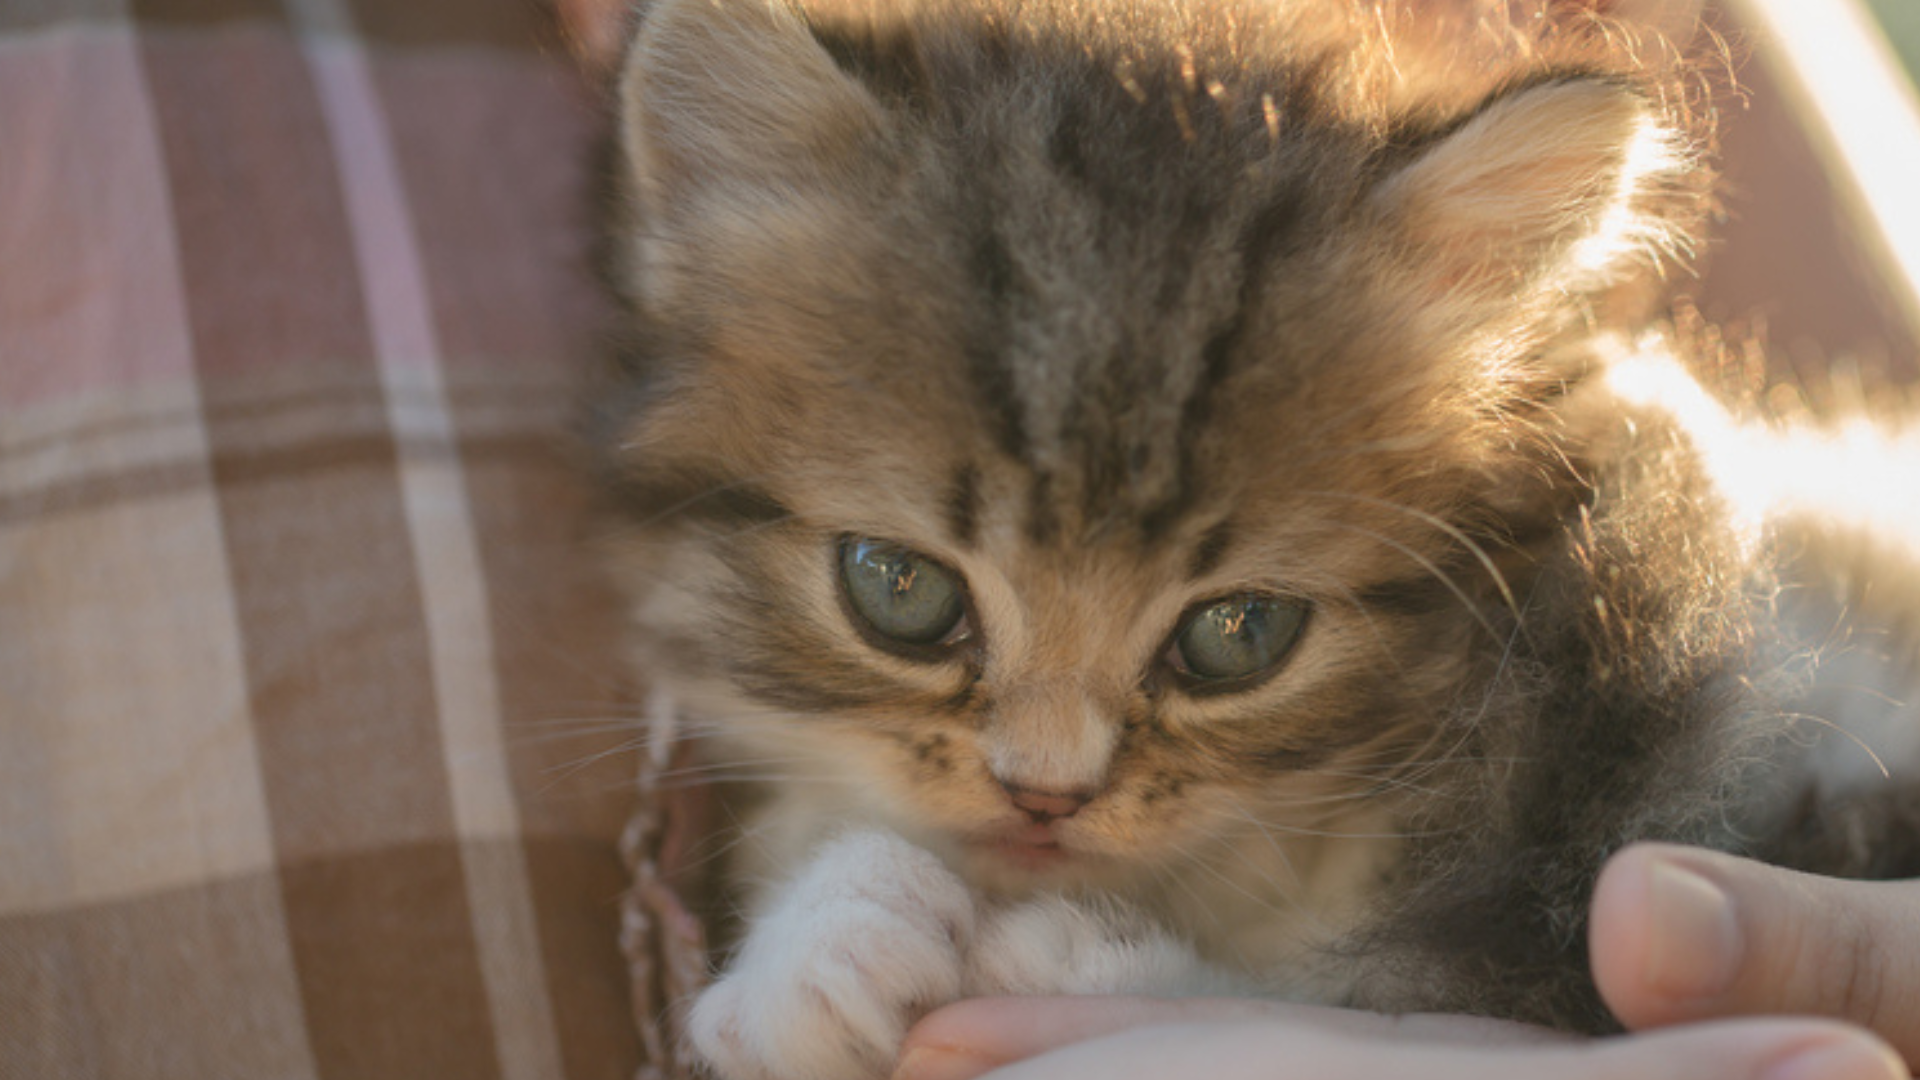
[(1120, 306)]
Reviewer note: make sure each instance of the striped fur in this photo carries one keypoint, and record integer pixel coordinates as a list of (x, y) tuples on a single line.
[(1118, 307)]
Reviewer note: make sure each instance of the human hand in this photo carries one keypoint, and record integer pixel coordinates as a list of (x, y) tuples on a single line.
[(1227, 1039), (1680, 935)]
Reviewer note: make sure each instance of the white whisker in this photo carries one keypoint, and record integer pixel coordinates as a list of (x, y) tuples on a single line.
[(1473, 547), (1430, 567)]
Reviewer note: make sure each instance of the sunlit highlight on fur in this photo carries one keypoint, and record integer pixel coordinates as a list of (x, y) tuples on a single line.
[(1122, 309), (1858, 472)]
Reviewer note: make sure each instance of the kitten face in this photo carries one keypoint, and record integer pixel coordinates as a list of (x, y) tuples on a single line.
[(1064, 678), (1102, 339)]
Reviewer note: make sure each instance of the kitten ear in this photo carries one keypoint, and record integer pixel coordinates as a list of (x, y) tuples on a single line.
[(1565, 184), (593, 31), (736, 93)]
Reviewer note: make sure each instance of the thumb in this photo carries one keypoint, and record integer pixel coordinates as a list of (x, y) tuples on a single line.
[(1680, 934)]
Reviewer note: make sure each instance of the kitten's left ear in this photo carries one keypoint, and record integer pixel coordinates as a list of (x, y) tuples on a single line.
[(1568, 184), (740, 98)]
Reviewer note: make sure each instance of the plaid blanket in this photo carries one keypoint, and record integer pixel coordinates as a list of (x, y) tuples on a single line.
[(309, 709)]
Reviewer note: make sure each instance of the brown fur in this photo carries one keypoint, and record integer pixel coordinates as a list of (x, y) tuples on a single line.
[(1114, 308)]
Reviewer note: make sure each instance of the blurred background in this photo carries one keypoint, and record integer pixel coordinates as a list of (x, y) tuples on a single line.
[(1817, 258), (1902, 21)]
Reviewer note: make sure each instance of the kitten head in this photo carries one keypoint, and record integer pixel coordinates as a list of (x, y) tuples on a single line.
[(1073, 433)]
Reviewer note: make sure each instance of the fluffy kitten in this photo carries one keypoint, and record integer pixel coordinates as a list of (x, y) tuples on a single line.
[(1162, 493)]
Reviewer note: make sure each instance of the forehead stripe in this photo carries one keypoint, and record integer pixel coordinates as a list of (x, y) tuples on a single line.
[(963, 506), (1264, 232), (987, 340), (1208, 553)]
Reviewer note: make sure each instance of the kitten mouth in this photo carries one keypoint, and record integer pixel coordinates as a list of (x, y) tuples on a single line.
[(1029, 847)]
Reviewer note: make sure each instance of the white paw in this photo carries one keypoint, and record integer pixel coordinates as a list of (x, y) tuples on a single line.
[(1056, 946), (869, 937)]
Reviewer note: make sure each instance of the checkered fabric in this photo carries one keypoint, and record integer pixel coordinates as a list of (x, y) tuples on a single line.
[(311, 758)]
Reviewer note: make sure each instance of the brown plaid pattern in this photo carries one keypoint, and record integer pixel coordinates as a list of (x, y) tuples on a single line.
[(308, 761)]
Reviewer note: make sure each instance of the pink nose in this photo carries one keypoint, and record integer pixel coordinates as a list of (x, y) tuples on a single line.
[(1045, 806)]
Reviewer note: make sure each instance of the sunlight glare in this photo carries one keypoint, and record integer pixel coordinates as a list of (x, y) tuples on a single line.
[(1833, 57), (1857, 474), (1622, 228)]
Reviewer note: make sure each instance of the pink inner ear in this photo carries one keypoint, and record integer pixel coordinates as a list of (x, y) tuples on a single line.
[(595, 30)]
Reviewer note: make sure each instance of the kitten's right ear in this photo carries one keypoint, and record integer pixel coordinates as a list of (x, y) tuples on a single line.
[(720, 94), (1570, 183)]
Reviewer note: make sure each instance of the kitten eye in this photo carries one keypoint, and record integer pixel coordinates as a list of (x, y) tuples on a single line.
[(902, 595), (1236, 638)]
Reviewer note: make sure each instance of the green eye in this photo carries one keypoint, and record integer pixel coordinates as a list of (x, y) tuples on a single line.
[(1237, 638), (903, 596)]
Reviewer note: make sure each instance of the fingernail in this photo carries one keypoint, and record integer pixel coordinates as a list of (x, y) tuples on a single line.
[(1851, 1058), (940, 1063), (1694, 943)]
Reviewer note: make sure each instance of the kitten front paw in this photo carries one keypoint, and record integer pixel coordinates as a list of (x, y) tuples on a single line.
[(869, 937), (1053, 945)]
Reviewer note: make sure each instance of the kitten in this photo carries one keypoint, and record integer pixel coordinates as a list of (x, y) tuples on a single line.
[(1164, 496)]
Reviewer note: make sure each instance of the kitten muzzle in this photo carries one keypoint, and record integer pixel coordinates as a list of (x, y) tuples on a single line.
[(1032, 848)]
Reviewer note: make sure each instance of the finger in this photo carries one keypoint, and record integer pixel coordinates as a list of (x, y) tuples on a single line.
[(972, 1037), (1680, 935), (1269, 1050)]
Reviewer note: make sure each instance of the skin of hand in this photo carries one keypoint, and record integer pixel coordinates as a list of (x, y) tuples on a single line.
[(1217, 1039), (1682, 940), (1680, 935)]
